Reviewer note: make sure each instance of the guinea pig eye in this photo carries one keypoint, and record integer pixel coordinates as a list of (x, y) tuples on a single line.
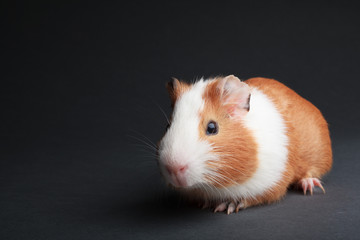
[(212, 128), (167, 126)]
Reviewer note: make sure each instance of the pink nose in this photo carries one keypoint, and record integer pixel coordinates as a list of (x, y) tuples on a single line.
[(176, 169), (177, 174)]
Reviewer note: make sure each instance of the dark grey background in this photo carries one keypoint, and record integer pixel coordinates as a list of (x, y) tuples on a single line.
[(80, 81)]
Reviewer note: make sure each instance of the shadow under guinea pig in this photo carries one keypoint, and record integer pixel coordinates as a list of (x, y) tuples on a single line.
[(165, 207)]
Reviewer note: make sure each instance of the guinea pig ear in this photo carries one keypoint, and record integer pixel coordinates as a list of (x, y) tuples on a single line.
[(235, 96), (175, 89), (171, 88)]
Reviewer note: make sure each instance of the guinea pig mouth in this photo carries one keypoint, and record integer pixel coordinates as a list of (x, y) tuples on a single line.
[(178, 181)]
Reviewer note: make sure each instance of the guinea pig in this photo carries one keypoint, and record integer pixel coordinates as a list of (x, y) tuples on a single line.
[(232, 144)]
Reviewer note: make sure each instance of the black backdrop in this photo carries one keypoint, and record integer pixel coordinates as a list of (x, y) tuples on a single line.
[(82, 85)]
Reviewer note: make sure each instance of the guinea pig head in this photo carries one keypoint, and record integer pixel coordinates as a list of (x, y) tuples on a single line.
[(207, 142)]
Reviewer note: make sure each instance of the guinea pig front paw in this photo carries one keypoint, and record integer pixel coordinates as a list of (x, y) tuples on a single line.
[(230, 207), (309, 184), (221, 207)]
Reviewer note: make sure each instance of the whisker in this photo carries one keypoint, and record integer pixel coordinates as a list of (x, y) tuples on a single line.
[(213, 187), (226, 178), (144, 147), (223, 187), (149, 156), (144, 142), (215, 179), (203, 187), (227, 166), (217, 176), (167, 119), (145, 138)]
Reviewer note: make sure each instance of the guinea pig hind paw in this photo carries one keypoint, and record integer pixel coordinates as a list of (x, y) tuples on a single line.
[(309, 184), (231, 208), (221, 207)]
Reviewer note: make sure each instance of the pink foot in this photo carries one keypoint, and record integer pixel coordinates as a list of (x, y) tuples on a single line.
[(221, 207), (229, 207), (309, 184)]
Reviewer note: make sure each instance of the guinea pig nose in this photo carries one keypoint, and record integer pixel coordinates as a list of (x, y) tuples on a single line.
[(182, 168), (176, 169)]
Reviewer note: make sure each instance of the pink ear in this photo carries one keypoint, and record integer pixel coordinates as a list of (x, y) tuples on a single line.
[(235, 96)]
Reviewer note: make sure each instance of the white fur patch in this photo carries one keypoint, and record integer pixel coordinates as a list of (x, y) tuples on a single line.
[(269, 129), (181, 144)]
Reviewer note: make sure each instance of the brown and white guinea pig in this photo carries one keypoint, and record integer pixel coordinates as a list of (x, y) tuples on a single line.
[(233, 144)]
